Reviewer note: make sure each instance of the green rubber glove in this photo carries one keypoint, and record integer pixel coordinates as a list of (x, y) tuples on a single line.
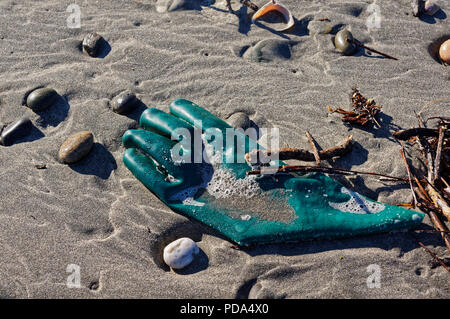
[(200, 180)]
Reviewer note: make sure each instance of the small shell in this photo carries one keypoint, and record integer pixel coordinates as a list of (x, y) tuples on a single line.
[(279, 7)]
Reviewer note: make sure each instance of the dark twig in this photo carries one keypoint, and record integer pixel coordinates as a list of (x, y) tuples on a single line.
[(246, 3), (314, 148), (402, 152), (439, 260), (327, 170), (437, 160), (419, 131), (250, 4), (290, 153), (370, 49), (431, 231)]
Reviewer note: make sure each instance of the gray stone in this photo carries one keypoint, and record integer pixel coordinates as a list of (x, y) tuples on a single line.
[(124, 103), (41, 99), (76, 147)]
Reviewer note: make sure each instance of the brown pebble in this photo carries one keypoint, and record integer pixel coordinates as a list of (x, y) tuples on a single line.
[(76, 147), (444, 52)]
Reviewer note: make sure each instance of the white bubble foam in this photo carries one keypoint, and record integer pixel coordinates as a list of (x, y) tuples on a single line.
[(224, 184), (357, 204)]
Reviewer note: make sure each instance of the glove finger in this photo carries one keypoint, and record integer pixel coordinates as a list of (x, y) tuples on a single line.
[(165, 124), (196, 116), (158, 147), (145, 170)]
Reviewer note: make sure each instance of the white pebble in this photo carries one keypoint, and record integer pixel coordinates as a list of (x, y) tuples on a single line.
[(180, 253)]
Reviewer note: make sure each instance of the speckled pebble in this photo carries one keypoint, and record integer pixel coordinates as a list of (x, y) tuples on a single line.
[(41, 99), (76, 147), (180, 253), (444, 52), (239, 120), (16, 131), (124, 103), (92, 43)]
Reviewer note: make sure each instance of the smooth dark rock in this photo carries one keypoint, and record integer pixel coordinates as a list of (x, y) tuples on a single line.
[(16, 131), (92, 43), (76, 147), (124, 103), (342, 44), (41, 99)]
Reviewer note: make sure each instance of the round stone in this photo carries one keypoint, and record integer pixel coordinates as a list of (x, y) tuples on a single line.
[(41, 99), (92, 43), (124, 103), (342, 44), (180, 253), (444, 52), (16, 131), (239, 120), (76, 147)]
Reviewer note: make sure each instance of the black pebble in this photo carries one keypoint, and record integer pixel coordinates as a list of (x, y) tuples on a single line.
[(41, 99), (16, 131), (124, 103), (92, 43)]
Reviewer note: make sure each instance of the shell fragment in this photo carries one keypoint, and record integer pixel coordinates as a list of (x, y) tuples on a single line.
[(279, 7)]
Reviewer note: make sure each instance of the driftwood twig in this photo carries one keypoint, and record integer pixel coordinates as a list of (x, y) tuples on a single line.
[(439, 260), (327, 170), (314, 148), (289, 153)]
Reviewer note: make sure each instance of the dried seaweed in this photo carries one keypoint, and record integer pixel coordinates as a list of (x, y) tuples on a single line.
[(364, 111)]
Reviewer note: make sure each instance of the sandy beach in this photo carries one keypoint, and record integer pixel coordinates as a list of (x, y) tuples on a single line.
[(96, 215)]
